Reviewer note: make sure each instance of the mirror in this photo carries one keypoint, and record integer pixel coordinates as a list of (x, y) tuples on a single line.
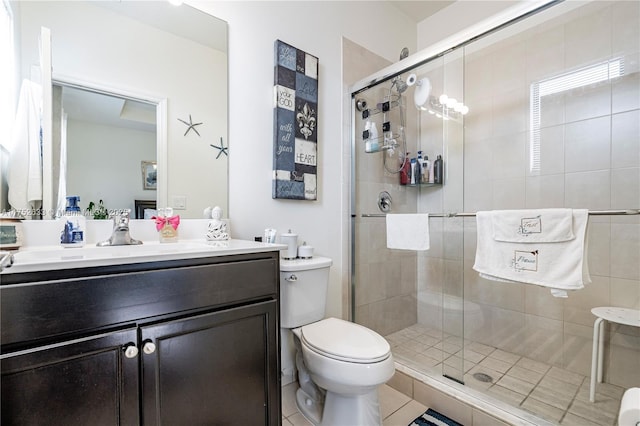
[(146, 60)]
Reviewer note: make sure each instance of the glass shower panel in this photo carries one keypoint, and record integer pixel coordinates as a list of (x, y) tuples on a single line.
[(384, 280), (545, 115), (552, 100), (413, 298)]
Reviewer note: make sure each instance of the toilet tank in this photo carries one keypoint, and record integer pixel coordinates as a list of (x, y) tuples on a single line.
[(303, 290)]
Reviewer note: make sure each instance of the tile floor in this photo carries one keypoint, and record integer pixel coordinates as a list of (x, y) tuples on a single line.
[(397, 409), (549, 392)]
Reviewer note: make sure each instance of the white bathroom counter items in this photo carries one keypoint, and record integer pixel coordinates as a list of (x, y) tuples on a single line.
[(624, 316)]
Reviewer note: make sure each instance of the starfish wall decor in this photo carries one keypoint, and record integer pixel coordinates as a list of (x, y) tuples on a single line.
[(223, 149), (190, 125)]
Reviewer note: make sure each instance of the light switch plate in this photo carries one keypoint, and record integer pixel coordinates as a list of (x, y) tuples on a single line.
[(179, 202)]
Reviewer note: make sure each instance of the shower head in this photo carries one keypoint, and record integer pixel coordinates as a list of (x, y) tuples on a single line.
[(404, 53), (402, 85)]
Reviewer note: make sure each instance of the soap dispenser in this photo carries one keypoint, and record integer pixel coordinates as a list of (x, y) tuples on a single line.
[(75, 224)]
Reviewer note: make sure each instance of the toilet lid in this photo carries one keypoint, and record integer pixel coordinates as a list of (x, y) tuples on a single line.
[(345, 341)]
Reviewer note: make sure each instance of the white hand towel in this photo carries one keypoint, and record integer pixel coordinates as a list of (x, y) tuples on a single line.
[(408, 231), (541, 252), (25, 164)]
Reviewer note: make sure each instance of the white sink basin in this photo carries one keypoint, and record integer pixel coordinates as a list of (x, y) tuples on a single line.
[(61, 254), (43, 258)]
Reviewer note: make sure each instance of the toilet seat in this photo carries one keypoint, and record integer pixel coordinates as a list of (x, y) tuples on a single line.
[(345, 341)]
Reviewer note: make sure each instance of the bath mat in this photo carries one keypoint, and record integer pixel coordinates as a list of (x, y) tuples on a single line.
[(433, 418)]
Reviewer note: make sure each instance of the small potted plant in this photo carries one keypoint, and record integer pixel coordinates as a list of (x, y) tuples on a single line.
[(98, 211)]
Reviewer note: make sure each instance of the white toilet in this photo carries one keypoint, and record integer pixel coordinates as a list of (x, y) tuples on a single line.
[(340, 364)]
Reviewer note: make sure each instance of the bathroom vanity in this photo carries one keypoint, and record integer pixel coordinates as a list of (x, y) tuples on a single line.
[(176, 340)]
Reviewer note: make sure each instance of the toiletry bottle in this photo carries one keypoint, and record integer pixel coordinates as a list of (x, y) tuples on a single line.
[(414, 171), (431, 169), (438, 169), (372, 144), (419, 162), (75, 224), (405, 170), (426, 165), (168, 232)]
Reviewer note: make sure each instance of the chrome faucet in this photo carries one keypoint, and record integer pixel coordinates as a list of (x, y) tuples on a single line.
[(120, 235)]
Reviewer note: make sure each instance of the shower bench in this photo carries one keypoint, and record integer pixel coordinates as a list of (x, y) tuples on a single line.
[(606, 313)]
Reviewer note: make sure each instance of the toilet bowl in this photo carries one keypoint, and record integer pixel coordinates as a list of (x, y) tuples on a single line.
[(339, 364)]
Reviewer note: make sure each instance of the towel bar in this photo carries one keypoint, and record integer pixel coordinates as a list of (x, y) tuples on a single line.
[(591, 213)]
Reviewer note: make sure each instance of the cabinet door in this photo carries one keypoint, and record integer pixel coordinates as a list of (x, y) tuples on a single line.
[(219, 368), (82, 382)]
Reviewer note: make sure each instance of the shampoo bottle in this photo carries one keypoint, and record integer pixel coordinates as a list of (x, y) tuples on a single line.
[(372, 144), (405, 170), (431, 168), (426, 165), (75, 224), (419, 163), (438, 168), (414, 171)]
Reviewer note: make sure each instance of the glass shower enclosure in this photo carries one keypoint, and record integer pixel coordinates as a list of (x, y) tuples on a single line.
[(542, 112)]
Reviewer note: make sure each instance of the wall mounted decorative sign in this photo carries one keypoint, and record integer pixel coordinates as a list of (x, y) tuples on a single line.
[(295, 124)]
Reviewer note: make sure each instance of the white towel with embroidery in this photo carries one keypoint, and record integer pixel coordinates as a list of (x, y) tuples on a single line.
[(546, 247), (408, 231)]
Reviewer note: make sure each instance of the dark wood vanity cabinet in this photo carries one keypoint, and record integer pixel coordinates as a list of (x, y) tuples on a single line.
[(86, 381), (176, 343)]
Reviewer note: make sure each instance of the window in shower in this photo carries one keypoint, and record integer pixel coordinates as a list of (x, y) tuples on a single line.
[(585, 76)]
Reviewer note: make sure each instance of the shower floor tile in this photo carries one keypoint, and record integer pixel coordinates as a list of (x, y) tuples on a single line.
[(548, 391)]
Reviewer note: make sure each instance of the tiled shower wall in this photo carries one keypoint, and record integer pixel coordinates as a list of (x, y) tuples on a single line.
[(589, 158), (385, 299)]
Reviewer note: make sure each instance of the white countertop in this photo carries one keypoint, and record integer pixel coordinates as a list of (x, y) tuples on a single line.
[(45, 258)]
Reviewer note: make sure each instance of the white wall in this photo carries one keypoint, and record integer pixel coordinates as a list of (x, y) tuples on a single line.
[(93, 149), (457, 17), (317, 28)]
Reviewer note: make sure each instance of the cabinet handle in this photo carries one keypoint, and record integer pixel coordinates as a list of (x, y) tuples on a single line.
[(130, 351), (291, 278), (149, 348)]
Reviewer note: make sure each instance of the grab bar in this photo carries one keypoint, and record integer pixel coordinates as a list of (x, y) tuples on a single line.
[(627, 212)]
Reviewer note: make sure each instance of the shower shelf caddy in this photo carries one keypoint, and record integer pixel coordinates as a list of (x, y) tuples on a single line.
[(383, 108)]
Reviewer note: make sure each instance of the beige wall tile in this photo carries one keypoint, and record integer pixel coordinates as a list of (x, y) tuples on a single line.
[(624, 25), (625, 293), (481, 418), (540, 302), (625, 127), (625, 251), (599, 235), (402, 383), (588, 37), (623, 366)]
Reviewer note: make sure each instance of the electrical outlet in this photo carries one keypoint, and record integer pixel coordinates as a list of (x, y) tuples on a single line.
[(179, 202)]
